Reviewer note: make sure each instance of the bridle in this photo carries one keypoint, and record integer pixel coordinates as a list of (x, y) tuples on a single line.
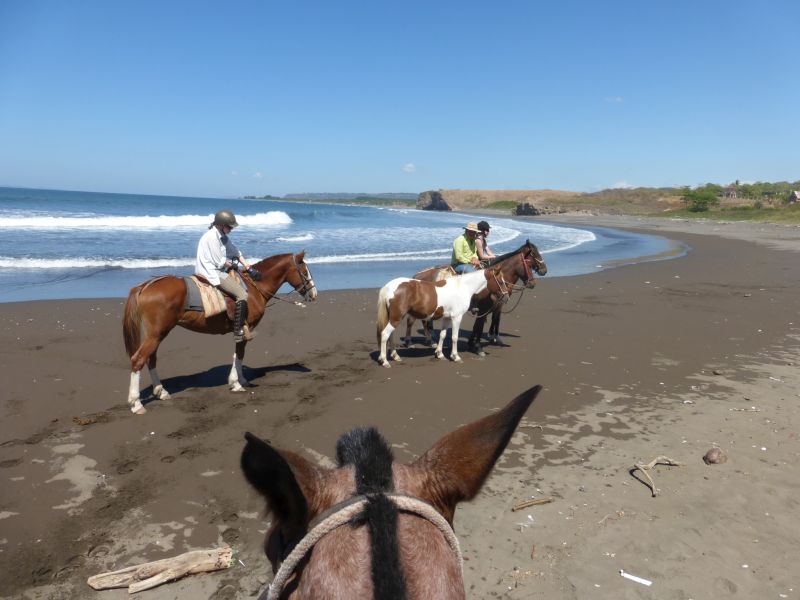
[(306, 279), (346, 512)]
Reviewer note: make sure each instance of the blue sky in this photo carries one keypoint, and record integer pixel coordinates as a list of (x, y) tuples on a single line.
[(234, 98)]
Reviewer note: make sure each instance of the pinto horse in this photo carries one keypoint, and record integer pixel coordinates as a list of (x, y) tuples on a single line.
[(533, 258), (373, 528), (448, 299), (155, 307)]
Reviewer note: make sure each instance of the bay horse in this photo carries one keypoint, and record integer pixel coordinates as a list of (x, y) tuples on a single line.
[(156, 307), (534, 259), (374, 528), (448, 299)]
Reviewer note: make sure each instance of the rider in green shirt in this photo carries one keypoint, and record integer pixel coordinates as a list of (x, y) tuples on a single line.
[(465, 255)]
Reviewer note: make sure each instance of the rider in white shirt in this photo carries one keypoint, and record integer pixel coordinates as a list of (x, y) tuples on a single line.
[(216, 255)]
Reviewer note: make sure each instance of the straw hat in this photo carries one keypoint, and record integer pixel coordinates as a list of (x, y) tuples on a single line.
[(472, 227)]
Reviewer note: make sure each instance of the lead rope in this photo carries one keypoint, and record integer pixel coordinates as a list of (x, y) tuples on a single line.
[(346, 514)]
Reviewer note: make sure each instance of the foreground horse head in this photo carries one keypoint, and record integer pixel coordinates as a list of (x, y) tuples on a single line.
[(372, 528), (447, 299), (156, 307)]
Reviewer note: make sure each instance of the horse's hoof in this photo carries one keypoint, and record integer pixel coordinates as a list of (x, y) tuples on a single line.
[(386, 364), (237, 387), (137, 407), (457, 359), (439, 355)]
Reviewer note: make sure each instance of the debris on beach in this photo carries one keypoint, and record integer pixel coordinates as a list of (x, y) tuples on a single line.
[(149, 575), (715, 456), (641, 580), (531, 502), (645, 467)]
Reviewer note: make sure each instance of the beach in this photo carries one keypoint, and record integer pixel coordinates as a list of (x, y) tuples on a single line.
[(666, 358)]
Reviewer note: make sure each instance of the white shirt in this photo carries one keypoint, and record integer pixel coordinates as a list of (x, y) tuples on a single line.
[(213, 251)]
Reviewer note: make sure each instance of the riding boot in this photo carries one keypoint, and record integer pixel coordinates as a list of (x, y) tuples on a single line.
[(239, 321)]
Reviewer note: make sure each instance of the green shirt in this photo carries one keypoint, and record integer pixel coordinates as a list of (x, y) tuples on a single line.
[(463, 250)]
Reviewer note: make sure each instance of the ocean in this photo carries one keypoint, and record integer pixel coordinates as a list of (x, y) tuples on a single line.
[(63, 244)]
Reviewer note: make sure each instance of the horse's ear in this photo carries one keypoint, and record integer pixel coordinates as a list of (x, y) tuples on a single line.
[(285, 479), (456, 466), (300, 255)]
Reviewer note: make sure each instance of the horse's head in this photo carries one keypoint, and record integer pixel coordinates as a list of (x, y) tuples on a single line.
[(496, 284), (300, 277), (535, 257), (362, 558)]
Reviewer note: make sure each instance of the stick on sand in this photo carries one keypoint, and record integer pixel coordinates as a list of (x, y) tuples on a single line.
[(149, 575)]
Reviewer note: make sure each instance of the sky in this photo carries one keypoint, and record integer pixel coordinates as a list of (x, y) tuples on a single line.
[(224, 99)]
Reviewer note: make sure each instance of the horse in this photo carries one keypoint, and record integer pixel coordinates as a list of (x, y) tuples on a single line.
[(511, 273), (397, 540), (155, 307), (448, 299), (532, 256)]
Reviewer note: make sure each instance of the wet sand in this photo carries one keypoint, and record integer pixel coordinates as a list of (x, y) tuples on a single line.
[(659, 358)]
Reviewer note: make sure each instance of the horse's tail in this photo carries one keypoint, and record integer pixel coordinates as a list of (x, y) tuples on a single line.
[(383, 312), (131, 322)]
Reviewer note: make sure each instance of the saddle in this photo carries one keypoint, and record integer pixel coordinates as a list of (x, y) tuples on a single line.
[(203, 297)]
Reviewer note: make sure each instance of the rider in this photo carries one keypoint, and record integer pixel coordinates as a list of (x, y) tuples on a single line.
[(465, 257), (485, 254), (217, 255)]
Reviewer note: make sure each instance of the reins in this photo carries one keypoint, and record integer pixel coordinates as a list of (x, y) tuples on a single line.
[(345, 512)]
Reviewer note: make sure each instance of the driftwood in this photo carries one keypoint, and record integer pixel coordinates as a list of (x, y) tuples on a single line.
[(149, 575), (527, 503), (645, 467)]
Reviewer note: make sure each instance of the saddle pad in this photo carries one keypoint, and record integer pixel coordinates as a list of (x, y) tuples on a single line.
[(203, 296)]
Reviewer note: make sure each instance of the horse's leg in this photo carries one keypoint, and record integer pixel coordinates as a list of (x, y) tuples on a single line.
[(236, 380), (494, 328), (158, 389), (386, 334), (393, 349), (428, 328), (142, 355), (442, 334), (456, 326), (409, 325), (474, 342)]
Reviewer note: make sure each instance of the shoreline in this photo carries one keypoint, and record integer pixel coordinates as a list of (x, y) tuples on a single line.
[(656, 358)]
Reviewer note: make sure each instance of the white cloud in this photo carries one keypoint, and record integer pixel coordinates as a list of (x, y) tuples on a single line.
[(622, 185), (615, 99), (258, 175), (409, 167)]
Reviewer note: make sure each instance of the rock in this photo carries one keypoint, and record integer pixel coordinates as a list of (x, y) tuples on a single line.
[(715, 456), (528, 209), (432, 201)]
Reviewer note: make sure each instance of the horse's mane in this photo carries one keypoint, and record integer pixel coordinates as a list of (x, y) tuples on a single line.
[(507, 255), (370, 455)]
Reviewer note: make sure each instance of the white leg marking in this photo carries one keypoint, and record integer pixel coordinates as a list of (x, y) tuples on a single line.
[(456, 321), (158, 389), (439, 352), (133, 395), (386, 335), (236, 380)]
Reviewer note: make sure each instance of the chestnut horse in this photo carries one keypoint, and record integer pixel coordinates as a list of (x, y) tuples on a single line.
[(532, 256), (448, 299), (373, 528), (155, 307)]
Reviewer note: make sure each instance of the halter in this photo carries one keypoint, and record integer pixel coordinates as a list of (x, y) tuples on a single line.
[(344, 512)]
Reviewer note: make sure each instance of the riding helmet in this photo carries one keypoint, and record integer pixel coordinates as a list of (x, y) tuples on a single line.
[(225, 217)]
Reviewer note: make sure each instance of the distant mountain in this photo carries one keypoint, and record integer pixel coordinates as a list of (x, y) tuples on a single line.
[(339, 196)]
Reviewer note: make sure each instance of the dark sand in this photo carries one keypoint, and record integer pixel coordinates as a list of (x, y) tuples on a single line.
[(659, 358)]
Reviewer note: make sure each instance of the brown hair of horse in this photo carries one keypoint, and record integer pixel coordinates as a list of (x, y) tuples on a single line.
[(340, 565)]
